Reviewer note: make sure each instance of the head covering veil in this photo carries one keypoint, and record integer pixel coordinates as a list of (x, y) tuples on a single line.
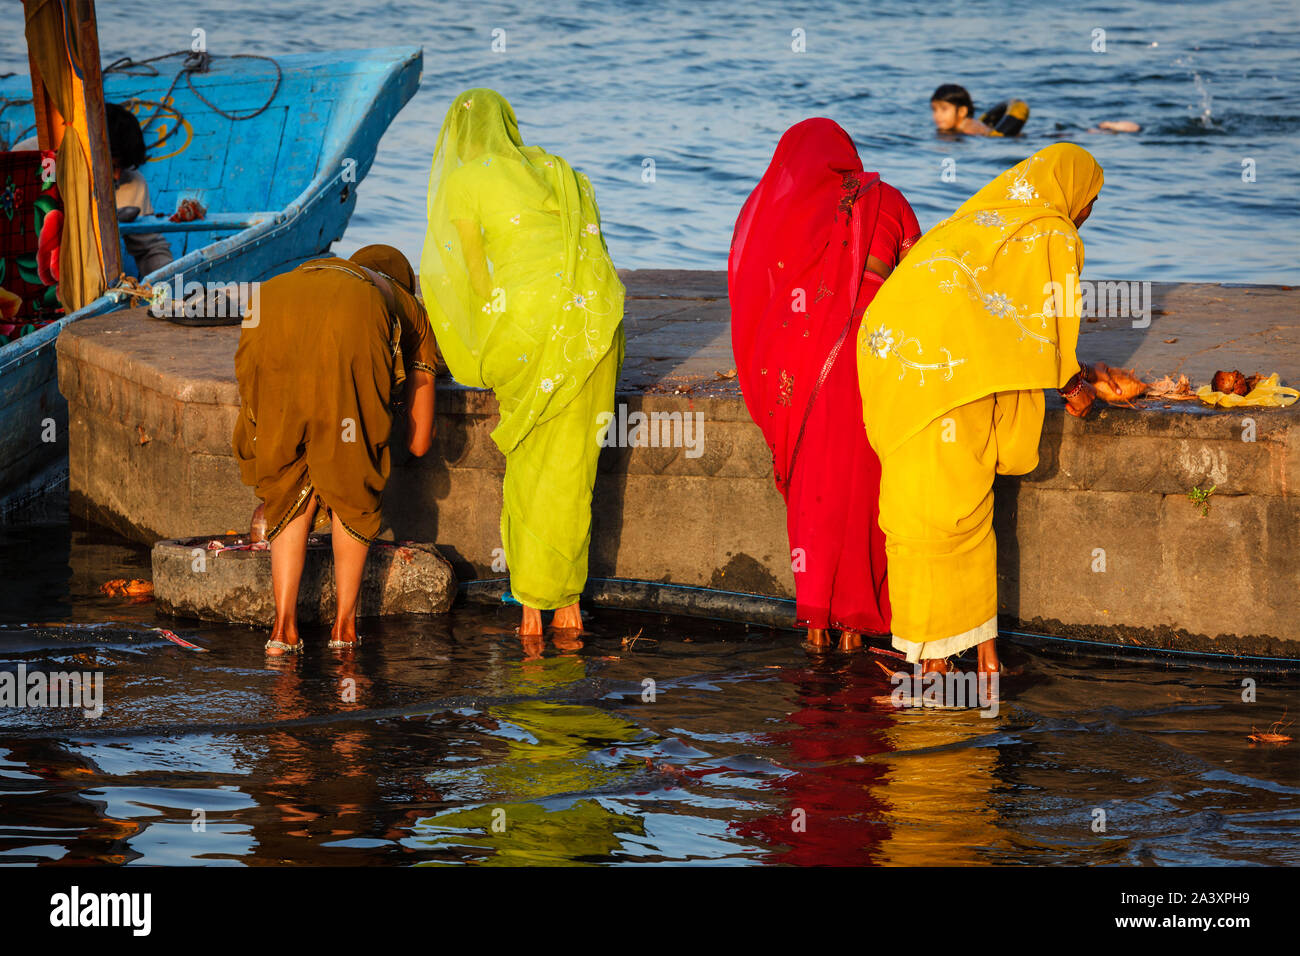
[(518, 283), (387, 261)]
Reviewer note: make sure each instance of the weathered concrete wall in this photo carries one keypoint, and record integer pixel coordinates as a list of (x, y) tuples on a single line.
[(152, 407)]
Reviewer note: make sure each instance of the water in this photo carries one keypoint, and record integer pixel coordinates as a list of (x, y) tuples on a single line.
[(705, 90), (753, 750)]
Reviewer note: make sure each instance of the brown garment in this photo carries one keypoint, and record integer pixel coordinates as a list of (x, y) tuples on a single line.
[(318, 364)]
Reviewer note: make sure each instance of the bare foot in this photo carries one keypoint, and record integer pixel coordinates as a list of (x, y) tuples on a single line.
[(531, 626), (344, 632), (935, 665), (988, 656), (818, 637), (285, 633), (567, 618), (850, 641)]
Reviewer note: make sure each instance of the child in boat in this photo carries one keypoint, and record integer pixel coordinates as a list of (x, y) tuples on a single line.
[(126, 147), (953, 111)]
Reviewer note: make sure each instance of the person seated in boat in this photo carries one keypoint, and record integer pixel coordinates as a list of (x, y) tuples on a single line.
[(317, 366), (150, 250), (954, 112)]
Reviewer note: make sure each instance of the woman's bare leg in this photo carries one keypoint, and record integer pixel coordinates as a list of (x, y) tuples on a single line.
[(257, 525), (850, 641), (532, 622), (288, 553), (818, 637), (349, 565), (988, 652), (567, 618)]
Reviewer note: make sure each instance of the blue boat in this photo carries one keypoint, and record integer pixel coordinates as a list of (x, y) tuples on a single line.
[(279, 187)]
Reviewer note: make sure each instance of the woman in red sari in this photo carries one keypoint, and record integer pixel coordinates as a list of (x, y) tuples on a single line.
[(814, 241)]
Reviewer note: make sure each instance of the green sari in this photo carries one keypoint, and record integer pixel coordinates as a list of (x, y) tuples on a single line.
[(524, 300)]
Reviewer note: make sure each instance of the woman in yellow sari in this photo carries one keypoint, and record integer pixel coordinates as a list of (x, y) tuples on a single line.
[(524, 300), (953, 357)]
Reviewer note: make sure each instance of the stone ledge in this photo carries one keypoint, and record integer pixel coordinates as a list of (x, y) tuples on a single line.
[(152, 406)]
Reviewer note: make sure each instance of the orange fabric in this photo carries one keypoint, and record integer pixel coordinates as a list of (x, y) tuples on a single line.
[(52, 44)]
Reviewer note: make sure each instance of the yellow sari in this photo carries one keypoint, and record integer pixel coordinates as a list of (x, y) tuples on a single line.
[(524, 299), (953, 355)]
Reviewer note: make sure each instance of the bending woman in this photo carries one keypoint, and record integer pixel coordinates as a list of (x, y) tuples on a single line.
[(317, 369), (813, 244), (953, 356), (524, 300)]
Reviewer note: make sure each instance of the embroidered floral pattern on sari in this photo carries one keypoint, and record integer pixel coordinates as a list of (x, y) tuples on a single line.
[(880, 343), (1031, 240), (787, 388), (1021, 189), (997, 304), (850, 188)]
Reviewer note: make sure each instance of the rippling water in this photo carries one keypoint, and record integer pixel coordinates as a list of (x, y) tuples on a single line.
[(443, 742), (705, 90)]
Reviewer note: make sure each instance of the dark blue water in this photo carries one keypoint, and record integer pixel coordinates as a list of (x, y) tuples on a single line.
[(705, 90), (446, 741)]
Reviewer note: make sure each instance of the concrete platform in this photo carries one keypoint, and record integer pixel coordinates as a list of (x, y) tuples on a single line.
[(152, 405)]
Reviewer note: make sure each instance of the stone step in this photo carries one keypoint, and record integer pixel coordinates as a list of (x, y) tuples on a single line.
[(190, 580)]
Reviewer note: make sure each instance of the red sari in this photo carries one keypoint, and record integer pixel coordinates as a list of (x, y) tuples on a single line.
[(798, 285)]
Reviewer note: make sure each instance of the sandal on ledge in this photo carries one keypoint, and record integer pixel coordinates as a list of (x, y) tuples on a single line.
[(282, 646)]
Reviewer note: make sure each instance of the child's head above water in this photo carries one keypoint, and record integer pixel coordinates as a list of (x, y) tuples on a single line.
[(951, 106)]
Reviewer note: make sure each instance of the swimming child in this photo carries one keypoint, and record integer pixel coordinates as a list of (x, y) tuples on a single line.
[(953, 111)]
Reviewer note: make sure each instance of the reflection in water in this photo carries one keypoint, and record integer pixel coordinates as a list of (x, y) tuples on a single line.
[(831, 809), (937, 789), (447, 741), (532, 809), (47, 798)]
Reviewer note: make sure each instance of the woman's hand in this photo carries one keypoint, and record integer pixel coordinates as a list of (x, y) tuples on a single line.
[(1080, 403), (1079, 393), (1115, 385)]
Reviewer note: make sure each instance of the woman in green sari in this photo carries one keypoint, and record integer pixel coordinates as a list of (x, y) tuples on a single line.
[(524, 300)]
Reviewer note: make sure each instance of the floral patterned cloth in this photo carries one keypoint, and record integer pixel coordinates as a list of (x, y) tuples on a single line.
[(28, 196), (987, 301), (524, 300)]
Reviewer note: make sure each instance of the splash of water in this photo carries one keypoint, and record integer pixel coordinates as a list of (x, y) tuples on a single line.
[(1205, 106)]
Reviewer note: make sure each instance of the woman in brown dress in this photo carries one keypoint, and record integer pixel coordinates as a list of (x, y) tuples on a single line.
[(318, 362)]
